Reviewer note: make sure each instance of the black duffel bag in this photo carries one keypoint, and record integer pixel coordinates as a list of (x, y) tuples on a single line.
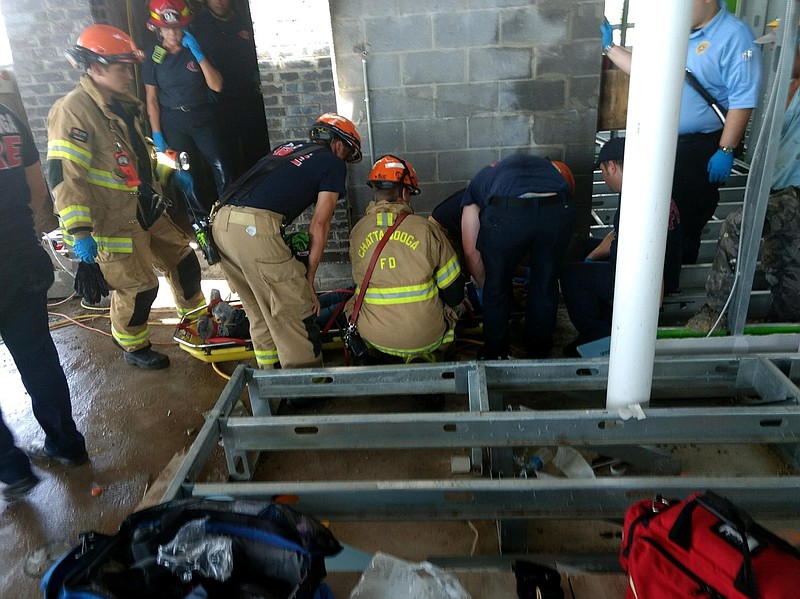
[(272, 552)]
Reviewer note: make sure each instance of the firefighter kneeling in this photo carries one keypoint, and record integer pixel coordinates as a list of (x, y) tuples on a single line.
[(408, 300)]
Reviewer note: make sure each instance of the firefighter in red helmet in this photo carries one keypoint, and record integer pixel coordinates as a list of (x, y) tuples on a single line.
[(277, 290), (107, 196), (178, 81)]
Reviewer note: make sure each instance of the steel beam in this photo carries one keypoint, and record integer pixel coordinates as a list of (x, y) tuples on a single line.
[(730, 424), (762, 497)]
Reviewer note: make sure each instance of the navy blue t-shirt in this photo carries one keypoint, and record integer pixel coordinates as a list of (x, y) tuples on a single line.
[(230, 47), (516, 175), (17, 152), (448, 214), (178, 77), (293, 186)]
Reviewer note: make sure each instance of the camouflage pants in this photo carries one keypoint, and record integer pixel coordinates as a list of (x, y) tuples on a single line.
[(780, 257)]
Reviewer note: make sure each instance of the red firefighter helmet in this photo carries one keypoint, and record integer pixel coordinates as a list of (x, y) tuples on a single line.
[(168, 13), (329, 125), (391, 171), (566, 173), (103, 44)]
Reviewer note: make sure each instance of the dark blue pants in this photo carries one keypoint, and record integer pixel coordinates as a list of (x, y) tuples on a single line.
[(196, 132), (542, 231), (695, 196), (25, 331), (588, 290)]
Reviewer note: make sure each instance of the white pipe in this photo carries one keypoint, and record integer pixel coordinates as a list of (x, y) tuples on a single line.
[(657, 75), (367, 107)]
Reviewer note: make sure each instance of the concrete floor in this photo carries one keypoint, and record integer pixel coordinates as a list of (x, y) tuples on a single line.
[(136, 421)]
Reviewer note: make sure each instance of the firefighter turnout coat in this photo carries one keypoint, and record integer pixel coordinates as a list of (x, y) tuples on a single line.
[(403, 313), (91, 171)]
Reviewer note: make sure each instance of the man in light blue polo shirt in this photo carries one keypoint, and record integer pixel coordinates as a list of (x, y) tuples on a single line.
[(727, 64)]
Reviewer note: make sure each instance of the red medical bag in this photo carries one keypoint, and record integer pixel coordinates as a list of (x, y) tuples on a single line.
[(694, 548)]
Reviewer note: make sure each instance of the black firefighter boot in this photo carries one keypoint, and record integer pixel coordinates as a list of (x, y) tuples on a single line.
[(146, 358)]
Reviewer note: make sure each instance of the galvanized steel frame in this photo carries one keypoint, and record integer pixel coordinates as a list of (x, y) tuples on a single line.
[(767, 411)]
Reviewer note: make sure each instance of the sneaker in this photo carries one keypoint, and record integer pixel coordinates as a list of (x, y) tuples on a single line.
[(705, 319), (20, 488), (146, 358), (40, 452)]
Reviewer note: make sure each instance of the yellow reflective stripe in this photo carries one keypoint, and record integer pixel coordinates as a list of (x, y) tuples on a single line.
[(163, 172), (384, 219), (107, 179), (266, 357), (400, 295), (115, 245), (61, 148), (129, 340), (184, 311), (407, 353), (75, 216), (448, 273), (449, 336)]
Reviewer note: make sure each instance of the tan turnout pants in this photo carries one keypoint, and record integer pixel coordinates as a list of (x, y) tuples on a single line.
[(271, 284), (135, 284)]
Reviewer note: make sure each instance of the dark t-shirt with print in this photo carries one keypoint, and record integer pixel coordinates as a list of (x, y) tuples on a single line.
[(293, 186), (230, 46), (17, 152), (178, 77)]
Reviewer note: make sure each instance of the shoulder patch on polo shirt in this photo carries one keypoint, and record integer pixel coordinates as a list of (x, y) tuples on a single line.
[(158, 55), (702, 47), (79, 135)]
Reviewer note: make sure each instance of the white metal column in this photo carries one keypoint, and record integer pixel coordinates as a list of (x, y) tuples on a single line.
[(652, 129)]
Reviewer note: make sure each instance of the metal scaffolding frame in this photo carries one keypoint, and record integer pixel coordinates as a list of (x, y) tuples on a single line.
[(761, 406)]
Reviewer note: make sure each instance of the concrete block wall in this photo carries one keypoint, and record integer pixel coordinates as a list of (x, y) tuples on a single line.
[(453, 84), (457, 84), (293, 44), (38, 33)]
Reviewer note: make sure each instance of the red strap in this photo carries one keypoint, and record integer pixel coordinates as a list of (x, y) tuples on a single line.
[(367, 275)]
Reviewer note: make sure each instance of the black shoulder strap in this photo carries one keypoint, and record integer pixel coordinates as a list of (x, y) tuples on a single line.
[(241, 188), (718, 109)]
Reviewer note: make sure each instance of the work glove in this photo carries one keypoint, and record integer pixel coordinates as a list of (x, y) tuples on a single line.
[(183, 181), (86, 249), (719, 167), (90, 283), (159, 141), (190, 41), (608, 33)]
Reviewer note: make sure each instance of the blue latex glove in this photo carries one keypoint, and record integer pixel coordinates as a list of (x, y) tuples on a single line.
[(719, 167), (480, 294), (608, 33), (86, 249), (159, 141), (190, 41), (184, 182)]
